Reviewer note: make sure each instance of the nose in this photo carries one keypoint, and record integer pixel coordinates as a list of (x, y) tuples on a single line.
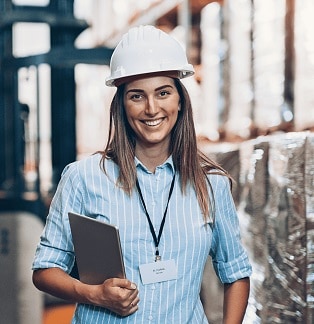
[(152, 106)]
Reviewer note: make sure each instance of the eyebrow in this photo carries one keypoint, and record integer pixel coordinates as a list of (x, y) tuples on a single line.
[(157, 89)]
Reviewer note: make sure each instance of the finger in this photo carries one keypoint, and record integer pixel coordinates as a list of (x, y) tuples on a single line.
[(130, 285), (124, 283), (135, 302), (133, 294), (133, 310)]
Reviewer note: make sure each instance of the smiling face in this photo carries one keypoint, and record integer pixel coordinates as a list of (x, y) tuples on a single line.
[(151, 106)]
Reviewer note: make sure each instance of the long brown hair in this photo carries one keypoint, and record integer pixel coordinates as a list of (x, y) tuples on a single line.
[(191, 164)]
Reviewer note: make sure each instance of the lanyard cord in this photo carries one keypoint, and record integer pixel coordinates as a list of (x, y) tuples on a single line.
[(151, 227)]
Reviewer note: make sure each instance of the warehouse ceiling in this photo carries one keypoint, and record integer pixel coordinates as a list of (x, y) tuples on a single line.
[(161, 13)]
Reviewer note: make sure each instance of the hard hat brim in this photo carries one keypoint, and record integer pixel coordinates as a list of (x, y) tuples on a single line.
[(115, 82)]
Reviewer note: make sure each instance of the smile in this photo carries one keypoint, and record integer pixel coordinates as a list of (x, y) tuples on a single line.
[(155, 122)]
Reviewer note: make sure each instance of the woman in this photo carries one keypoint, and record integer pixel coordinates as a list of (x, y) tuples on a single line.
[(172, 204)]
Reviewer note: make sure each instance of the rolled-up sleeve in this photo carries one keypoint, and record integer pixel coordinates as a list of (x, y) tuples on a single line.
[(55, 248), (229, 257)]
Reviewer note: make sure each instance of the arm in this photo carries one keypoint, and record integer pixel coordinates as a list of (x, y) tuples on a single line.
[(117, 295), (230, 259), (236, 297)]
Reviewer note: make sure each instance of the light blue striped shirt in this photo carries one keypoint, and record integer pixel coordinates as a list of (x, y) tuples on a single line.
[(85, 189)]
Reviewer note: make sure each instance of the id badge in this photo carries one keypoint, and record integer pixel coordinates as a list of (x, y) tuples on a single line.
[(158, 271)]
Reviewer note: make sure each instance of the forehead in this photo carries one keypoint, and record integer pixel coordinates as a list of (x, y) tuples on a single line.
[(150, 83)]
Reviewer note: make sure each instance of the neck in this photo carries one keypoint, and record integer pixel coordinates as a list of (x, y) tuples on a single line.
[(152, 157)]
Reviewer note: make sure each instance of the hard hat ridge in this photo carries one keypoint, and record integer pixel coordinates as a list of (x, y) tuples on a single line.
[(146, 49)]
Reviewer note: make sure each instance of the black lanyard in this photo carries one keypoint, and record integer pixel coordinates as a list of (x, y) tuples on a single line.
[(151, 227)]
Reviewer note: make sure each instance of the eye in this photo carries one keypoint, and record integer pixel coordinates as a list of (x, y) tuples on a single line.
[(164, 93), (136, 96)]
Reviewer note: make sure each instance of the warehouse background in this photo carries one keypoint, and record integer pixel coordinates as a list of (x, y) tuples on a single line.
[(253, 104)]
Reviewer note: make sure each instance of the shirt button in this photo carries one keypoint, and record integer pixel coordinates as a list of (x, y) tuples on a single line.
[(150, 317), (153, 287)]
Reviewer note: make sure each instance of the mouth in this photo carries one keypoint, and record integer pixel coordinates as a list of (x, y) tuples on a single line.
[(153, 123)]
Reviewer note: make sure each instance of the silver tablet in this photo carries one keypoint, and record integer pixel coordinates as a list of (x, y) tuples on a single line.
[(97, 249)]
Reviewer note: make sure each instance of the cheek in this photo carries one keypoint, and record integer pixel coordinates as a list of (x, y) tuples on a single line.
[(175, 114), (132, 117), (130, 120), (129, 112)]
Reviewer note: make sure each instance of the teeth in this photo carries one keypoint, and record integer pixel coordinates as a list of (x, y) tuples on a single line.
[(153, 122)]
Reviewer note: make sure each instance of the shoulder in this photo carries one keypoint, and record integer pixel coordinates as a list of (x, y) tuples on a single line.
[(219, 186), (218, 179), (86, 162), (90, 166)]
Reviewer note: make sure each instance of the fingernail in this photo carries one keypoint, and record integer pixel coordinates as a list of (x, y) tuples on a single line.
[(133, 285)]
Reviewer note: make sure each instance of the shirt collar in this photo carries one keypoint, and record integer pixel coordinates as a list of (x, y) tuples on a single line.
[(168, 163)]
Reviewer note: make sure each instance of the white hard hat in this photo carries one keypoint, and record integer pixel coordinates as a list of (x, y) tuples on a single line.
[(146, 49)]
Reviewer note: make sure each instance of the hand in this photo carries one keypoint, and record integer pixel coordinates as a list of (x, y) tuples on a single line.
[(118, 295)]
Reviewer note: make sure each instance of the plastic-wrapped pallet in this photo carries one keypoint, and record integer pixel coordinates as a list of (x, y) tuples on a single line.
[(309, 199), (286, 231), (254, 194), (277, 216)]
